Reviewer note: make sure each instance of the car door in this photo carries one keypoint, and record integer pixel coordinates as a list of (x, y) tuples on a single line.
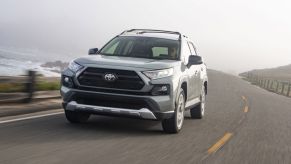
[(197, 73), (189, 71)]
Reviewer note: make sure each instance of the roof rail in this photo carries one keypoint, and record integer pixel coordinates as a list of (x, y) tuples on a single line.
[(141, 31)]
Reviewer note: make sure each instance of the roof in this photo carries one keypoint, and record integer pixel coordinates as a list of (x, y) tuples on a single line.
[(153, 33)]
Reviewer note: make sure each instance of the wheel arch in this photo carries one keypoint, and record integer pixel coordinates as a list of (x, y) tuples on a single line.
[(205, 84), (183, 84)]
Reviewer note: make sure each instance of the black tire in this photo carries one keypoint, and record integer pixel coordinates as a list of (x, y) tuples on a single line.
[(173, 124), (198, 111), (76, 117)]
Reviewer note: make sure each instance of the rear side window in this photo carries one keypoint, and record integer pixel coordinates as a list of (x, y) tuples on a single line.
[(192, 48), (186, 52)]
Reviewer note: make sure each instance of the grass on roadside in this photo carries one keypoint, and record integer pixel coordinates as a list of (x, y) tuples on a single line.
[(47, 86), (11, 87), (20, 87)]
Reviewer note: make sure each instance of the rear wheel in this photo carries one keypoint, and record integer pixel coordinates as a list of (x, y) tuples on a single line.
[(199, 110), (76, 117), (175, 123)]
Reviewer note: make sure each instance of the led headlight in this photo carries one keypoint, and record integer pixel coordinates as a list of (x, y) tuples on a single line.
[(157, 74), (75, 67)]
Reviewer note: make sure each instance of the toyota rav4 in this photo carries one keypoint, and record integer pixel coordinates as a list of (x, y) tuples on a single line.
[(141, 73)]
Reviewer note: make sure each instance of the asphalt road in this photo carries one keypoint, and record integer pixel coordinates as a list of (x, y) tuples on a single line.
[(243, 124)]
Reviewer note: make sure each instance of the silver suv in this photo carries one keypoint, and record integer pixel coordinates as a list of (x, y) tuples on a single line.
[(141, 73)]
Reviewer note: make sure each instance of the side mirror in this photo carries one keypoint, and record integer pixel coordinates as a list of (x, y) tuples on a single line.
[(93, 51), (194, 60)]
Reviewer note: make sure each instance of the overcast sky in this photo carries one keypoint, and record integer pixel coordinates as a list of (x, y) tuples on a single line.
[(232, 35)]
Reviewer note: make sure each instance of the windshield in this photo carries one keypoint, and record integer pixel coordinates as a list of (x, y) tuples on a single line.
[(142, 47)]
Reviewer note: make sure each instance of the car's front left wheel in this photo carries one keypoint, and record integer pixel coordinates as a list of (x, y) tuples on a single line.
[(175, 123)]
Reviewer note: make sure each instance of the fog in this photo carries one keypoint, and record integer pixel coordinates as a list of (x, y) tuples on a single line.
[(233, 36)]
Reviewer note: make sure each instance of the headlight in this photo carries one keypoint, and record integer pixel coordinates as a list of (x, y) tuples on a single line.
[(74, 66), (156, 74)]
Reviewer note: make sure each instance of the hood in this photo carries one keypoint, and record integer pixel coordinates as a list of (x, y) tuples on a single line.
[(127, 62)]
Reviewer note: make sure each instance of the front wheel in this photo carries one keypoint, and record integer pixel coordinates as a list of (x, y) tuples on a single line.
[(175, 123), (76, 117)]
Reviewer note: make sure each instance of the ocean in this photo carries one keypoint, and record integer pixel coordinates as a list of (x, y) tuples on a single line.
[(15, 61)]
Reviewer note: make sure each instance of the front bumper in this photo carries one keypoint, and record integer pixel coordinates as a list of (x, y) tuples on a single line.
[(142, 113), (144, 107)]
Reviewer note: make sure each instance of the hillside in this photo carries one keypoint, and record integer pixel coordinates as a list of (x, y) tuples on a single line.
[(279, 73)]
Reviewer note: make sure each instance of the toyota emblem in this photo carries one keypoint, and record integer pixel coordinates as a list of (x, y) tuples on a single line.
[(110, 77)]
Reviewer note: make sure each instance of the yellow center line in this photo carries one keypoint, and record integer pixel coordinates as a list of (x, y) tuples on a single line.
[(227, 135), (219, 143), (246, 109)]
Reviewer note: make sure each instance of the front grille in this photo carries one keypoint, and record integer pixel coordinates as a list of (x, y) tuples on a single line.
[(94, 77), (127, 92)]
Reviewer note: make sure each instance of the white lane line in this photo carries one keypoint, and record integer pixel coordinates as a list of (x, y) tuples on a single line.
[(30, 117)]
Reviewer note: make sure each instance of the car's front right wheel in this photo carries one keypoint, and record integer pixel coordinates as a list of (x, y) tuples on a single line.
[(175, 123)]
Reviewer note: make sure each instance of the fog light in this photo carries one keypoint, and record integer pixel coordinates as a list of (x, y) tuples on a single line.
[(67, 81), (164, 89), (161, 90)]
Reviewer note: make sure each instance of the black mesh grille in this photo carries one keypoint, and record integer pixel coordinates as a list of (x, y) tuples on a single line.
[(94, 77), (115, 103)]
